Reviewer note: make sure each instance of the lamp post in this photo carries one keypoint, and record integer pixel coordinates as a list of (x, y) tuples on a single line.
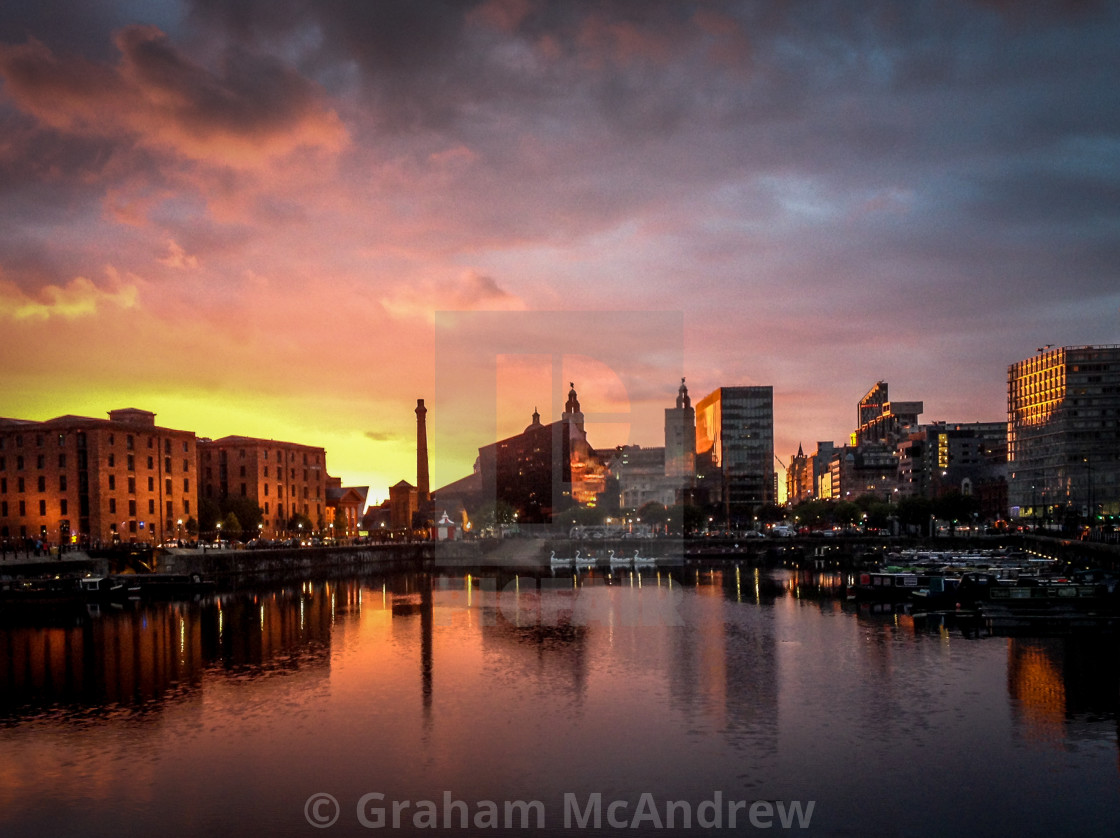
[(1089, 491), (893, 518)]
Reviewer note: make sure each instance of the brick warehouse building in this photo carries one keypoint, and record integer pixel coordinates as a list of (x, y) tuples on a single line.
[(76, 479), (283, 478)]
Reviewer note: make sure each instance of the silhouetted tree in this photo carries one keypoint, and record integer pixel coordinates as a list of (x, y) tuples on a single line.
[(231, 527)]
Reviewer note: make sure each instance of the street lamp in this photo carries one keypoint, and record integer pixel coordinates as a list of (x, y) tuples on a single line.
[(1089, 491)]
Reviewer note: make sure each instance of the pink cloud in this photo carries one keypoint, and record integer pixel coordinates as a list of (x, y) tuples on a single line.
[(248, 112)]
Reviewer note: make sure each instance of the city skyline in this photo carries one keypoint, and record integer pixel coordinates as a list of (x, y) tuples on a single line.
[(245, 217)]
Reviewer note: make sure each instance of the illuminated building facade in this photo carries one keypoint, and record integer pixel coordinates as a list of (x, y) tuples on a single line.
[(882, 421), (735, 448), (869, 465), (532, 472), (284, 479), (544, 469), (857, 470), (588, 470), (346, 504), (799, 478), (1063, 434), (86, 481)]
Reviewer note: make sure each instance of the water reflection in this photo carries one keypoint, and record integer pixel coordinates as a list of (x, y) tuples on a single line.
[(138, 653), (1063, 688), (765, 685), (133, 656)]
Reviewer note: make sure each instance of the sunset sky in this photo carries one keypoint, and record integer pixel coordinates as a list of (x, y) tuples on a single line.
[(259, 217)]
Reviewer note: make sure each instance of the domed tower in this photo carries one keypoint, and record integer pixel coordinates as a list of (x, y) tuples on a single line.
[(536, 423)]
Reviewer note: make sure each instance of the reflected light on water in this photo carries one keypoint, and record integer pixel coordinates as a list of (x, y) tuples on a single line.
[(507, 685)]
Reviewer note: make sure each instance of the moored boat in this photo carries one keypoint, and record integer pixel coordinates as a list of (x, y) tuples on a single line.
[(584, 561), (560, 561), (885, 585), (165, 585), (1032, 591), (616, 561)]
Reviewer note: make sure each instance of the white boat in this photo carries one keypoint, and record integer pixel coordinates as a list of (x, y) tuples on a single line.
[(619, 560), (560, 561), (584, 561)]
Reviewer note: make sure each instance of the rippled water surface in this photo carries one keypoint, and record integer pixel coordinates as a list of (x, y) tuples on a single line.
[(706, 687)]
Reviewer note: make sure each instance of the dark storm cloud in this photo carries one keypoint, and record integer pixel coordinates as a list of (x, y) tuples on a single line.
[(410, 54), (878, 177), (972, 110), (160, 96), (76, 28)]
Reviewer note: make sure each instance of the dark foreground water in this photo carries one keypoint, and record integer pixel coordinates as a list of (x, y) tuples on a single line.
[(747, 702)]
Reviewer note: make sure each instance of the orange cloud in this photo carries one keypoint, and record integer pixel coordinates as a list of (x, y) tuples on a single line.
[(250, 112)]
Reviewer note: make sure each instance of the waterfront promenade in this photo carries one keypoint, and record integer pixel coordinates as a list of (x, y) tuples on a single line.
[(233, 567)]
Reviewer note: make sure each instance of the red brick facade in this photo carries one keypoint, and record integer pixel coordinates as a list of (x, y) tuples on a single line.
[(96, 481)]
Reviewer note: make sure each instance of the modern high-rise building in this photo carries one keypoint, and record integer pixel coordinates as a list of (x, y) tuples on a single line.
[(1063, 433), (882, 421), (90, 482), (735, 448)]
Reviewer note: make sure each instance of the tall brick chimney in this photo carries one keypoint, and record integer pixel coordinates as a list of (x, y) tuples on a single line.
[(423, 490)]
